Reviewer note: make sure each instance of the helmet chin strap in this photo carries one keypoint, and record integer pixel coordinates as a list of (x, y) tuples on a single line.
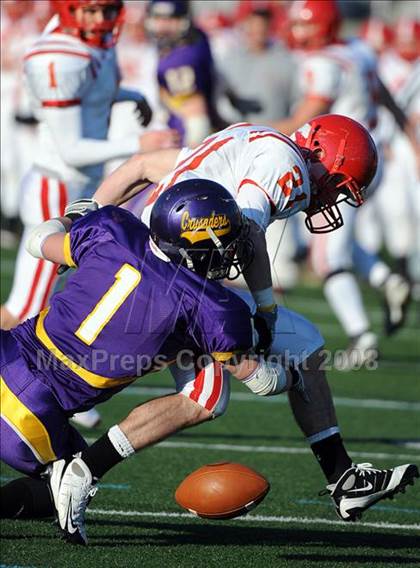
[(157, 251)]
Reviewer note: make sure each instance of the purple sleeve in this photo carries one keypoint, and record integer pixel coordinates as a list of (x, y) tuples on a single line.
[(222, 325), (85, 234)]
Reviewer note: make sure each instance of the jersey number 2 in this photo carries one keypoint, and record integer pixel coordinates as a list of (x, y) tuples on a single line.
[(126, 279)]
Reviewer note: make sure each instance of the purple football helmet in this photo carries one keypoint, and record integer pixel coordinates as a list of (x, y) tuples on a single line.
[(197, 222)]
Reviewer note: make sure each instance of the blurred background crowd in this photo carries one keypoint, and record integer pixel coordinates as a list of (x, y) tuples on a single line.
[(256, 81)]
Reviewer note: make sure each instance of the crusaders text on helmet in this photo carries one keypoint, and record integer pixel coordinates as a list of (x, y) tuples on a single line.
[(103, 33), (342, 160), (197, 222), (313, 23)]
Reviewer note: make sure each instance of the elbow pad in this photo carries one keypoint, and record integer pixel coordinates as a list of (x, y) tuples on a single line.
[(267, 379), (38, 235)]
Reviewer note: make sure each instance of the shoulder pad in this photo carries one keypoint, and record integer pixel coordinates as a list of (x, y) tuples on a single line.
[(58, 72)]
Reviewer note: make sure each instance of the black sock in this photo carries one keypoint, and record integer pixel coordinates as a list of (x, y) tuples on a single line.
[(332, 457), (26, 498), (101, 456)]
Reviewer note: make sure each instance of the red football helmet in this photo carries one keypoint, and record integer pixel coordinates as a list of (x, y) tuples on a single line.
[(101, 34), (407, 39), (342, 160), (377, 34), (313, 23)]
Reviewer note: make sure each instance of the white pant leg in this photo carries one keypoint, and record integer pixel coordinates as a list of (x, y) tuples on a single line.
[(331, 256), (394, 201), (9, 166), (333, 251), (41, 198), (280, 247), (369, 226)]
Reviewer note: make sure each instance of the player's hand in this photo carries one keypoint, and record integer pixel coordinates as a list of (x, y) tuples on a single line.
[(80, 207), (265, 322), (143, 112), (159, 139)]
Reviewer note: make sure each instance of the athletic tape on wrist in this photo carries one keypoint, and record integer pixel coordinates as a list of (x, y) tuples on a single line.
[(120, 442), (39, 234), (267, 379)]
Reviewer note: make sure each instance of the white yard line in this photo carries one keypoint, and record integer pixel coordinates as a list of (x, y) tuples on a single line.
[(257, 518), (277, 450), (370, 403), (288, 450)]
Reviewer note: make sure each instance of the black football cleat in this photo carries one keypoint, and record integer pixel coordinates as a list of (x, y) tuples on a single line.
[(361, 486)]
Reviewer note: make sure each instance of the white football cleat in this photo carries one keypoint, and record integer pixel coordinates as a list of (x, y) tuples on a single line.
[(72, 487), (88, 419), (397, 295), (362, 350), (361, 486)]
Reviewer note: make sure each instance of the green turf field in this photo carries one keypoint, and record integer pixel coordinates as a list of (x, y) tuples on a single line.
[(134, 520)]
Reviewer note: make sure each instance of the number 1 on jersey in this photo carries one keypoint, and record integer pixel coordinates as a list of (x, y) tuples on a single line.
[(126, 279)]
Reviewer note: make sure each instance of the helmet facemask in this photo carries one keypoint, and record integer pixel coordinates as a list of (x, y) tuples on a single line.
[(327, 191), (218, 261)]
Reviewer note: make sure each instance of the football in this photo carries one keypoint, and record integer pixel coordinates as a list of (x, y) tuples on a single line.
[(222, 490)]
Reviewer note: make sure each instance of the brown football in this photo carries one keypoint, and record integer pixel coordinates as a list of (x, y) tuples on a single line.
[(222, 490)]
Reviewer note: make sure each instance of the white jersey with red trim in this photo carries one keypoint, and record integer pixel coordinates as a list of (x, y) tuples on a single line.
[(394, 71), (62, 73), (263, 170), (345, 75)]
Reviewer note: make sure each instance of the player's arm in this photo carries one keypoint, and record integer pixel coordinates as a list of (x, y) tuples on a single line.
[(136, 174), (305, 111), (76, 151), (321, 79)]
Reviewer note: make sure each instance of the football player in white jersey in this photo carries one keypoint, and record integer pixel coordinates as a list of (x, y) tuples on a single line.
[(269, 175), (340, 76), (391, 216), (73, 78)]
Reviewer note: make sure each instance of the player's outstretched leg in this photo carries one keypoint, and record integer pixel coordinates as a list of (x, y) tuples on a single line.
[(353, 488), (73, 484)]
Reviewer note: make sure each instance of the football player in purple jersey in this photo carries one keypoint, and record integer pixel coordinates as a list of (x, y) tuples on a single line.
[(186, 73), (137, 300)]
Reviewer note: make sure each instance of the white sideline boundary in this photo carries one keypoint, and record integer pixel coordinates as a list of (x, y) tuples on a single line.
[(369, 403), (257, 518)]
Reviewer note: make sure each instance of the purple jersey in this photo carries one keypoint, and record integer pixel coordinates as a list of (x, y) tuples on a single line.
[(185, 71), (123, 312)]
